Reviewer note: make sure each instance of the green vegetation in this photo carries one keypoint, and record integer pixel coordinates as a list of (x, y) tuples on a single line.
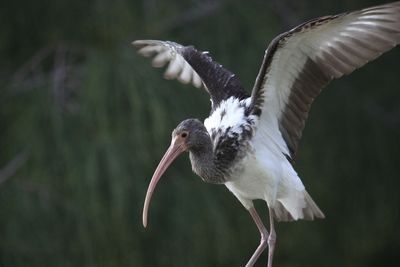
[(84, 121)]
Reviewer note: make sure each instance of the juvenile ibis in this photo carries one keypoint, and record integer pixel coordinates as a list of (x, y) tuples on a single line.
[(249, 142)]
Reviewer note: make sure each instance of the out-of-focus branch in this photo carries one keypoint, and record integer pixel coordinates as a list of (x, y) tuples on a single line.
[(30, 75), (64, 77), (13, 166)]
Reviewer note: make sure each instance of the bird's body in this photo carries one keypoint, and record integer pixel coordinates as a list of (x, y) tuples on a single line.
[(255, 168), (249, 142)]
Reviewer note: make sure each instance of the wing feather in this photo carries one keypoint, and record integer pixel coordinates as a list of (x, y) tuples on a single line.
[(190, 66), (300, 62)]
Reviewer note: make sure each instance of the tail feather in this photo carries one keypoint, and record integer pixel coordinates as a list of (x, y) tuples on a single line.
[(311, 210), (299, 207)]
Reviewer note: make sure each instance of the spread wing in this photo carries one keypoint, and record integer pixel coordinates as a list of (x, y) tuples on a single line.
[(300, 62), (189, 65)]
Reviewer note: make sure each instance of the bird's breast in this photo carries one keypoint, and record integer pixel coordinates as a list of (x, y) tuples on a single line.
[(230, 130)]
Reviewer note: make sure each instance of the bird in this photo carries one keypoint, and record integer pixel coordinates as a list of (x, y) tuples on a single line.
[(249, 142)]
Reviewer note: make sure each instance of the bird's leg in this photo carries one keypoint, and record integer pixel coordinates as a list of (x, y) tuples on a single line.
[(264, 234), (271, 237)]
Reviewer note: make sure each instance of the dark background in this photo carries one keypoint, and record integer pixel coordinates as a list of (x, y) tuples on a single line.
[(84, 122)]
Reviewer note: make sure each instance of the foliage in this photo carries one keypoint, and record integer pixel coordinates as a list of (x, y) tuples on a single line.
[(84, 122)]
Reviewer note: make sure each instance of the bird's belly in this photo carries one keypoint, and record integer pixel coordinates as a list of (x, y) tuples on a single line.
[(253, 181)]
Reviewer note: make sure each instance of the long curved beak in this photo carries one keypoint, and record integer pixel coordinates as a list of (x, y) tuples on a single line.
[(177, 146)]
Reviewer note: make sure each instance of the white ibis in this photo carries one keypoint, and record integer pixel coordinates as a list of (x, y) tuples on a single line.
[(249, 142)]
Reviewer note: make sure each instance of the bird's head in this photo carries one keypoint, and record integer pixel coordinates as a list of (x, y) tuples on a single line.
[(189, 135)]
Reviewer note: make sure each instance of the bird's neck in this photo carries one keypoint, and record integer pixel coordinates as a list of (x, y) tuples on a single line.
[(204, 164)]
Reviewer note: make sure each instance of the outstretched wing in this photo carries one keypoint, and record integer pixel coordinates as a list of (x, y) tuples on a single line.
[(189, 65), (300, 62)]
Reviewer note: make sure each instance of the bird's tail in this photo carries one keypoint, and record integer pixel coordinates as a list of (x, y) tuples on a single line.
[(311, 210), (300, 207)]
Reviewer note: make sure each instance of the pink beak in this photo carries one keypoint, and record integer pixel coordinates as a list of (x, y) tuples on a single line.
[(177, 146)]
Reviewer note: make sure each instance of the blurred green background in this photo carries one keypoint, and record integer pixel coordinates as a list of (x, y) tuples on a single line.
[(84, 122)]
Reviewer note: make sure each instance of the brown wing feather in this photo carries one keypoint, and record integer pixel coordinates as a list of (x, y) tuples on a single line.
[(302, 61), (190, 65)]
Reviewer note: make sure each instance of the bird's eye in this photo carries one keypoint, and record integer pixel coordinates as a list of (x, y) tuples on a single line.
[(184, 134)]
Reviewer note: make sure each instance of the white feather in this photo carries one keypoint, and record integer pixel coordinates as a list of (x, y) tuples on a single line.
[(186, 74), (168, 52), (175, 67), (234, 117)]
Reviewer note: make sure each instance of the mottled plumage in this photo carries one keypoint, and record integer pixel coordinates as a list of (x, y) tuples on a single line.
[(249, 142)]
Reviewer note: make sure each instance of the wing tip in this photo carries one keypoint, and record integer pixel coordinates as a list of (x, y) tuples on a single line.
[(142, 43), (139, 43)]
